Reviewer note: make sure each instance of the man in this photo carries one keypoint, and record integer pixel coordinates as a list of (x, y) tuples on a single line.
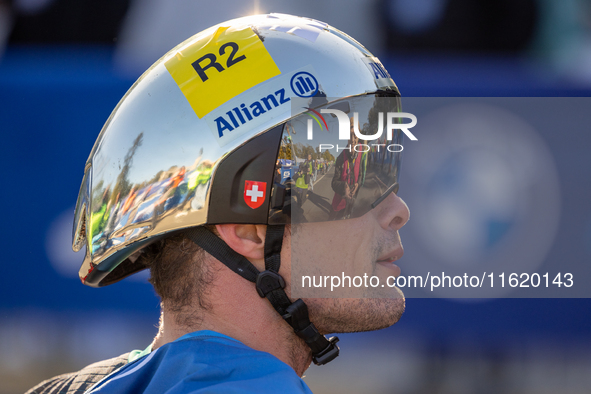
[(308, 168), (349, 176), (224, 269)]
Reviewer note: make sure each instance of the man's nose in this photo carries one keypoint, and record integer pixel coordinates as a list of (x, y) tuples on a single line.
[(393, 213)]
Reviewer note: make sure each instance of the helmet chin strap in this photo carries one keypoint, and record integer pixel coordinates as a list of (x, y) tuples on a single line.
[(270, 285)]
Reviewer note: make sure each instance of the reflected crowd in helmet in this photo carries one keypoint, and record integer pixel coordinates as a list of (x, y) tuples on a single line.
[(342, 181), (124, 211)]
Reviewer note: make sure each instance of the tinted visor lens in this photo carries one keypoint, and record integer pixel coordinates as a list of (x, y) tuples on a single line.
[(340, 159)]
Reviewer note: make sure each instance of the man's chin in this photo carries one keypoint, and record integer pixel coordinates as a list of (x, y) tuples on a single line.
[(355, 314)]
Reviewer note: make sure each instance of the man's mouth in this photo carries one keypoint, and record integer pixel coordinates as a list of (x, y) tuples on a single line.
[(389, 259)]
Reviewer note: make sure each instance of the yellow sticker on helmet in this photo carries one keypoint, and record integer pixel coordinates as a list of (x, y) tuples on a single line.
[(218, 67)]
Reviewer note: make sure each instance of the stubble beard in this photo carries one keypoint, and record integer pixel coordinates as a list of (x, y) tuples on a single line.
[(334, 315), (372, 309)]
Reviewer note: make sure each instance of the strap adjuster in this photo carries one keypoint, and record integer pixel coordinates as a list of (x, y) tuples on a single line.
[(268, 281), (327, 354)]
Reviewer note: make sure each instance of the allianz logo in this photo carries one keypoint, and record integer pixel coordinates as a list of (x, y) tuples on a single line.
[(303, 84)]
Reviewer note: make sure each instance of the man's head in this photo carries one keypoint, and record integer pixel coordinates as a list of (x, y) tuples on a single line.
[(225, 97), (353, 139)]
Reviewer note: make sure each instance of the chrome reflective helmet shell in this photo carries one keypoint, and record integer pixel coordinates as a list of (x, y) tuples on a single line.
[(176, 150)]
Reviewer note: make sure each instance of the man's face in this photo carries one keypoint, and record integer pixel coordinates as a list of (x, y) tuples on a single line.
[(367, 245), (352, 136)]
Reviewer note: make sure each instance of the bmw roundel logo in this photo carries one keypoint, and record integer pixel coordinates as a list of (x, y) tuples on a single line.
[(303, 84), (478, 181)]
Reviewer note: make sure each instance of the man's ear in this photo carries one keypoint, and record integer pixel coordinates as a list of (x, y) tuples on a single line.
[(246, 239)]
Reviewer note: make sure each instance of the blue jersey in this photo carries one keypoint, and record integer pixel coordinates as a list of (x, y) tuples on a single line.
[(200, 362)]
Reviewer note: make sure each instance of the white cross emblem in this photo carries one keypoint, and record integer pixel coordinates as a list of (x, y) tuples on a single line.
[(254, 193)]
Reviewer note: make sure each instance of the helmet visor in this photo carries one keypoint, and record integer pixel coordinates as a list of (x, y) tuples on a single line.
[(338, 158)]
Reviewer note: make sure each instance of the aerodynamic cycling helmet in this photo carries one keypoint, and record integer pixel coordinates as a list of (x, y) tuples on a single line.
[(218, 131)]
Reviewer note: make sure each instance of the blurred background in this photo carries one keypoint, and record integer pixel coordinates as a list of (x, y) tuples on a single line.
[(64, 65)]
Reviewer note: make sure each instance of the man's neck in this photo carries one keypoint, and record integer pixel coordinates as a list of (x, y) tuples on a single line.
[(241, 314)]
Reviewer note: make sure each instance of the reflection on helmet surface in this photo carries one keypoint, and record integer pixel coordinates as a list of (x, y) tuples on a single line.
[(332, 178), (132, 209)]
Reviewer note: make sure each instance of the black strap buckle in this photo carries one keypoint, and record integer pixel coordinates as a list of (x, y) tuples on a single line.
[(268, 281), (323, 350), (327, 354)]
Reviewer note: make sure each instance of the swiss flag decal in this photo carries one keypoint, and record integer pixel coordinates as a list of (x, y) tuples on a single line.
[(255, 193)]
